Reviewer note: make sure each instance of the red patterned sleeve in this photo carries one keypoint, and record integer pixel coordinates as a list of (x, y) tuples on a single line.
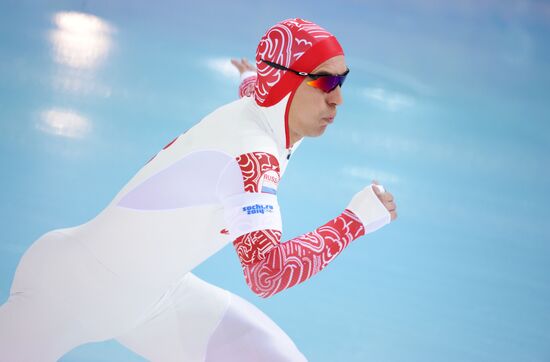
[(271, 266), (246, 88)]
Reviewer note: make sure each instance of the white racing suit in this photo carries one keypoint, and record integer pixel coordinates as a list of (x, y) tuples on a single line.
[(126, 273)]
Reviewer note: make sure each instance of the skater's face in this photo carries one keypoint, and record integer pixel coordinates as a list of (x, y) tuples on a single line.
[(312, 109)]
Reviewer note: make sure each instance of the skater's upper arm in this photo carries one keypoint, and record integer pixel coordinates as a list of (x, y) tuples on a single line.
[(248, 192)]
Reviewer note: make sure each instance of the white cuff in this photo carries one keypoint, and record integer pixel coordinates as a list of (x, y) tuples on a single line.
[(370, 210)]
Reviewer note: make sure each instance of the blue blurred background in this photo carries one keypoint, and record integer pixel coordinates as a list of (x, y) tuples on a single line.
[(446, 105)]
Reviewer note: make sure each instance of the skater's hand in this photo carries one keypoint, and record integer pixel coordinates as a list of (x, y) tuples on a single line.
[(387, 200), (243, 65), (373, 206)]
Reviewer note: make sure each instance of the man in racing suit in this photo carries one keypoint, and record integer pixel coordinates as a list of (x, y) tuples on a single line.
[(125, 274)]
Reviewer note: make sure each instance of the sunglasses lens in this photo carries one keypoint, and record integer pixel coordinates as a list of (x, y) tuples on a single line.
[(328, 83)]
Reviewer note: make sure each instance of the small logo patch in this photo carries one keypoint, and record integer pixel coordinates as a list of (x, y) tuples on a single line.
[(269, 182), (257, 209)]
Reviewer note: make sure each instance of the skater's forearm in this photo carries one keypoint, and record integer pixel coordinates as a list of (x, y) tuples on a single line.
[(270, 266)]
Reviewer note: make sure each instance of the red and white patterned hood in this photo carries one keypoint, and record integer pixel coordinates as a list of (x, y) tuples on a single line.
[(293, 43)]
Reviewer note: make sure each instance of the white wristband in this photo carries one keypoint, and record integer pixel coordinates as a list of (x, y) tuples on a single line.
[(370, 210)]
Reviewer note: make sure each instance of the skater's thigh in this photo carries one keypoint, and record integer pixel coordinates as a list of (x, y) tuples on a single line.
[(36, 328), (61, 297), (36, 322), (197, 321), (246, 334), (180, 324)]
